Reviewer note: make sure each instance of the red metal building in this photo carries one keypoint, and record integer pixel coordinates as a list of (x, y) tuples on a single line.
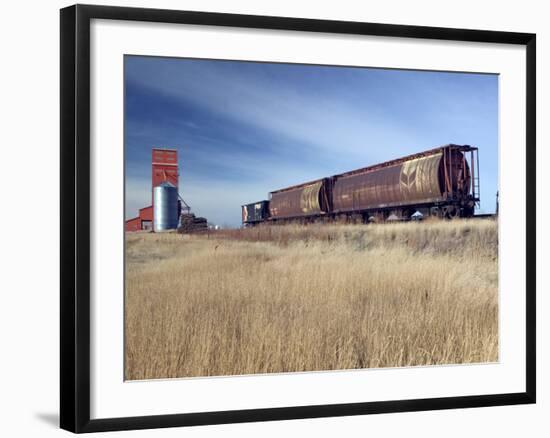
[(133, 224), (164, 167)]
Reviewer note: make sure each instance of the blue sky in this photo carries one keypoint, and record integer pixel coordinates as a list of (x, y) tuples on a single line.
[(243, 129)]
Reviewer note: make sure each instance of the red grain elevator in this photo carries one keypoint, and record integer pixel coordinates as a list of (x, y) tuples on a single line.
[(164, 167)]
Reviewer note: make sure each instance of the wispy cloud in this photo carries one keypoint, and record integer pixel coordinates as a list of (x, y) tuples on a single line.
[(319, 117)]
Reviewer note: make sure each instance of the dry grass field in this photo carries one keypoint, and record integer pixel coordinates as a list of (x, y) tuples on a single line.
[(305, 298)]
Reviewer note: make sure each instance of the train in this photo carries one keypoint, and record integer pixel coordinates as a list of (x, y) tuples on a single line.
[(441, 182)]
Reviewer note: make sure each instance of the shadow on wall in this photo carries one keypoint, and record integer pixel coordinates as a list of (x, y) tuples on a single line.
[(52, 419)]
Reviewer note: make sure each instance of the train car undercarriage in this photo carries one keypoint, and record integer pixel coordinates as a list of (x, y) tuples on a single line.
[(389, 214)]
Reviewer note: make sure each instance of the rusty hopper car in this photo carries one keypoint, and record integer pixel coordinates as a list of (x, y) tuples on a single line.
[(437, 182), (306, 200), (255, 212), (442, 182)]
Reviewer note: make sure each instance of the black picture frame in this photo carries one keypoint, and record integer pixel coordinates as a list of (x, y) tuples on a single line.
[(75, 217)]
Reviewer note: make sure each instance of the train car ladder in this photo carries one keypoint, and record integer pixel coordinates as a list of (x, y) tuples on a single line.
[(475, 176)]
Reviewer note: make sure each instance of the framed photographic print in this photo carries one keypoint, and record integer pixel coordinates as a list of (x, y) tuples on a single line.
[(268, 218)]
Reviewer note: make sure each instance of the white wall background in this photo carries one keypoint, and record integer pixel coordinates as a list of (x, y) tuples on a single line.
[(29, 244)]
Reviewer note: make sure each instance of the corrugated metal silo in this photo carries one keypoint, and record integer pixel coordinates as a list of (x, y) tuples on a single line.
[(165, 207)]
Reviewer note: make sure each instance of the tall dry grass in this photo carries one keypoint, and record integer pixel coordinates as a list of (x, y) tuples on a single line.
[(298, 298)]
